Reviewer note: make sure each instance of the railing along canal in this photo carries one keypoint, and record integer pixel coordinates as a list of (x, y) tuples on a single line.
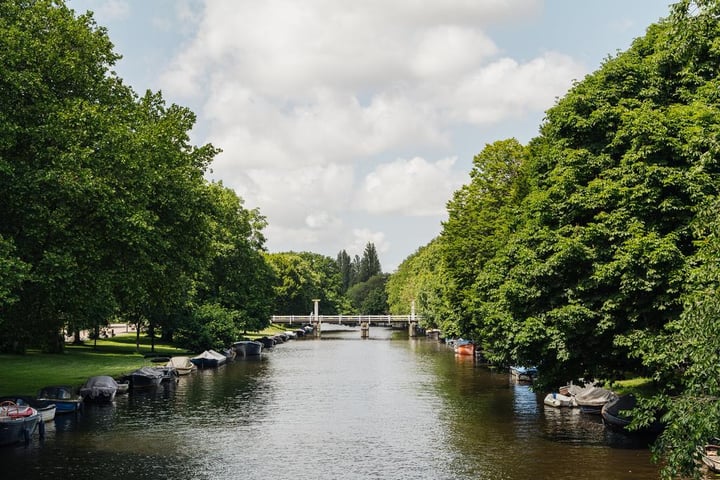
[(346, 319)]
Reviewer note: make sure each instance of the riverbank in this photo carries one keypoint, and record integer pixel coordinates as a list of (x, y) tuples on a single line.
[(116, 356)]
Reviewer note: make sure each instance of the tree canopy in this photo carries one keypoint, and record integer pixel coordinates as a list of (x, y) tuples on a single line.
[(591, 251), (106, 213)]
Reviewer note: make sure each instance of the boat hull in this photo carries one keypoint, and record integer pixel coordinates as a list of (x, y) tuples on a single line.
[(523, 374), (558, 400), (247, 348), (465, 349), (146, 377), (100, 389), (63, 397), (209, 359), (17, 423)]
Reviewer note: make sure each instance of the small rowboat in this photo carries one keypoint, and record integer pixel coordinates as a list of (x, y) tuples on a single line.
[(17, 422)]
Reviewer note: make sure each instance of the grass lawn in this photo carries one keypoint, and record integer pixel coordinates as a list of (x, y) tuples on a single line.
[(116, 356)]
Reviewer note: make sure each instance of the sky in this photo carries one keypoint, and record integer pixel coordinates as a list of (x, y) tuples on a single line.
[(353, 122)]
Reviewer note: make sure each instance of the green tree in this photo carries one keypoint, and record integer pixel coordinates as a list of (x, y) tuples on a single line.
[(480, 218), (422, 278), (369, 265), (238, 278), (58, 105), (369, 298), (345, 265)]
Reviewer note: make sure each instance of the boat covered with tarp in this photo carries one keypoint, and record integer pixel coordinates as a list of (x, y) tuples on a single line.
[(99, 389), (209, 359), (182, 365), (591, 398)]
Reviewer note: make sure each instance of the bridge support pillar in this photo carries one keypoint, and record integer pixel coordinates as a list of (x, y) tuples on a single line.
[(364, 329), (412, 329)]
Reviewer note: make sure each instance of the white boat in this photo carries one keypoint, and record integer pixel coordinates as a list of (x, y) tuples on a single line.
[(182, 365), (46, 408), (559, 400), (17, 422)]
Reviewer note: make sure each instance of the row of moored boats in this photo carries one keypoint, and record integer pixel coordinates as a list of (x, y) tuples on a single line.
[(21, 416)]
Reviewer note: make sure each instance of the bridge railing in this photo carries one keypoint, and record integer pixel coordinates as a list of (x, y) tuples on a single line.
[(291, 319)]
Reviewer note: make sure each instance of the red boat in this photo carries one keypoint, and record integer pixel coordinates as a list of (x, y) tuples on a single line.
[(465, 348)]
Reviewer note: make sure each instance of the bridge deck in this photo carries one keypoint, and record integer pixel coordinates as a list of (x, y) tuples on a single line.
[(345, 319)]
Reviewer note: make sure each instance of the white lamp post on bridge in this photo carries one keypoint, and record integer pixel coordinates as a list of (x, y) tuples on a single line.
[(316, 301)]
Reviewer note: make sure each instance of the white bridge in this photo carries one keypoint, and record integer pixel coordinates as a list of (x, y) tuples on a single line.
[(384, 320), (364, 321)]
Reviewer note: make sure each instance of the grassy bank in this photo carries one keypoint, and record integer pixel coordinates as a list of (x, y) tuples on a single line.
[(116, 356), (26, 374)]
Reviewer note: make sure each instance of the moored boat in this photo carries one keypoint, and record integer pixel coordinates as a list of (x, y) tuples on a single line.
[(63, 396), (247, 348), (17, 422), (182, 365), (268, 342), (464, 347), (710, 456), (145, 377), (616, 416), (523, 374), (559, 400), (168, 374), (99, 389), (45, 408), (209, 359), (591, 399)]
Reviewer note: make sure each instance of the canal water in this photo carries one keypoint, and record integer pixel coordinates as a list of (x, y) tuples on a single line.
[(387, 407)]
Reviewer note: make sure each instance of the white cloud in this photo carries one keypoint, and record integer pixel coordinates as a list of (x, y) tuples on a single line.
[(363, 236), (409, 187), (302, 95), (112, 9), (447, 50)]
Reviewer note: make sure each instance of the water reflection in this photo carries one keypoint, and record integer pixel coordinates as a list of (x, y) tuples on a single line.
[(339, 407)]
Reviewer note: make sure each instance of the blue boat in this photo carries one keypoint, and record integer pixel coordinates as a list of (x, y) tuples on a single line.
[(63, 396)]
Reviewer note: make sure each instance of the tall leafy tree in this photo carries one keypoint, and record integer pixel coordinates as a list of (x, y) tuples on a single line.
[(238, 278), (422, 279), (369, 265), (58, 103), (345, 265), (480, 215)]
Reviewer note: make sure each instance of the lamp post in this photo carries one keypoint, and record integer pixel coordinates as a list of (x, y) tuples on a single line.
[(412, 324), (316, 301)]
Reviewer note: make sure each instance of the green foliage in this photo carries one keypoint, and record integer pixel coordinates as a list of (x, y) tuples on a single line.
[(106, 211), (211, 326), (593, 251), (369, 297), (423, 280), (303, 277)]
